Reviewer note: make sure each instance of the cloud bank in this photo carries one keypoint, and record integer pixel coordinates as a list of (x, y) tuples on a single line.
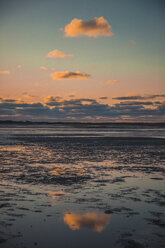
[(138, 97), (98, 26), (103, 97), (55, 108), (69, 75)]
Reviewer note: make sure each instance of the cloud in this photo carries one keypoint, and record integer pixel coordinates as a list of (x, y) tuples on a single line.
[(9, 100), (5, 72), (132, 42), (44, 68), (69, 75), (28, 96), (56, 108), (111, 82), (58, 54), (103, 97), (53, 100), (98, 26), (72, 95), (96, 222), (139, 97), (19, 66)]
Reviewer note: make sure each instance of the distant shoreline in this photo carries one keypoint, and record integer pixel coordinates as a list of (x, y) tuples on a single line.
[(7, 122)]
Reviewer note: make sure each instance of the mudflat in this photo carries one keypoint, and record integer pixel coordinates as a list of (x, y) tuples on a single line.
[(82, 185)]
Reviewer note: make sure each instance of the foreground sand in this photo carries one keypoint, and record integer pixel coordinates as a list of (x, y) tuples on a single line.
[(81, 189)]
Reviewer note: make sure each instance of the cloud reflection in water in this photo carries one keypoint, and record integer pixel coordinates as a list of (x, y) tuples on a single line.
[(55, 195), (94, 221)]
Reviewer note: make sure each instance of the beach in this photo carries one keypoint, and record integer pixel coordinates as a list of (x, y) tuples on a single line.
[(82, 185)]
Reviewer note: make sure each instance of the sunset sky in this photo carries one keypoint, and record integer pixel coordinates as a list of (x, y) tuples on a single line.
[(97, 60)]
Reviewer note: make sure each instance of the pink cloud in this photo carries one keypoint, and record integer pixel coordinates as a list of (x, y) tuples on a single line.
[(69, 75), (5, 72), (112, 82), (19, 66), (132, 42), (44, 68), (58, 54), (98, 26)]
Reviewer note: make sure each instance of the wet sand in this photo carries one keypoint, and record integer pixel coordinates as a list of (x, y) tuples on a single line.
[(69, 186)]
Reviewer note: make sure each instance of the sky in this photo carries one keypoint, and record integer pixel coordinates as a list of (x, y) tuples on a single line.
[(97, 60)]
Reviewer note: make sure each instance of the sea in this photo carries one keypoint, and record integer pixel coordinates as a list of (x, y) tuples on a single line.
[(77, 185)]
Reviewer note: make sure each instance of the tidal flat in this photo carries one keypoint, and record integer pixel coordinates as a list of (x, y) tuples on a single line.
[(82, 185)]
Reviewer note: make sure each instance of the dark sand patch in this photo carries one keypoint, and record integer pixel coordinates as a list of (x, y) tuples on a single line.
[(129, 243), (157, 222)]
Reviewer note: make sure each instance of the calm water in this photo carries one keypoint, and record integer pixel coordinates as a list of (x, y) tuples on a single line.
[(82, 186)]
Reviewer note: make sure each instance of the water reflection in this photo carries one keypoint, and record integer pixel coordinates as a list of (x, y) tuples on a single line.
[(114, 175), (55, 195), (94, 221), (12, 148), (68, 172)]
